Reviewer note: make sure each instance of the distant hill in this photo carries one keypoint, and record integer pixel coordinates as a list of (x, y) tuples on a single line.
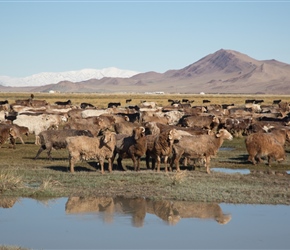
[(73, 76), (225, 71)]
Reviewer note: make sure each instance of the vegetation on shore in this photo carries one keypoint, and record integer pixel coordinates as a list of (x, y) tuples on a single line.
[(22, 176)]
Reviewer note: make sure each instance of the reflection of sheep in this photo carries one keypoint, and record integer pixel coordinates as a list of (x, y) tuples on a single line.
[(202, 211), (169, 211)]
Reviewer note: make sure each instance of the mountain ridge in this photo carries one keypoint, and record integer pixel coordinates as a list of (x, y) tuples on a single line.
[(45, 78), (224, 71)]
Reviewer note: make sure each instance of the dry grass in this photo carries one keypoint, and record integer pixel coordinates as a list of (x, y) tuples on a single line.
[(9, 181)]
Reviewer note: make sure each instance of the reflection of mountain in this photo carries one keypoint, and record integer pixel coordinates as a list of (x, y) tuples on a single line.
[(170, 212)]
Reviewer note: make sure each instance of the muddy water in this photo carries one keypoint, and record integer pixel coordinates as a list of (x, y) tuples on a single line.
[(106, 223)]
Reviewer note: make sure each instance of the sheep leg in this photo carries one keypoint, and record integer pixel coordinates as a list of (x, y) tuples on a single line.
[(251, 158), (110, 165), (165, 163), (49, 154), (176, 162), (71, 164), (120, 166), (269, 160), (101, 162), (134, 162), (207, 163), (21, 140), (158, 163), (39, 151), (37, 140), (12, 141), (148, 161)]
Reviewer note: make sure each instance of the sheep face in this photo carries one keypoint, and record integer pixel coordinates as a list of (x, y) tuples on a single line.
[(225, 134)]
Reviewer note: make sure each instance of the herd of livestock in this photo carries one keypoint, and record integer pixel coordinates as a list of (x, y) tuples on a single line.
[(175, 134)]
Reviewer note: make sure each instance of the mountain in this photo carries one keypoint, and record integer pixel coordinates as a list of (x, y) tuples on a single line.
[(73, 76), (225, 71)]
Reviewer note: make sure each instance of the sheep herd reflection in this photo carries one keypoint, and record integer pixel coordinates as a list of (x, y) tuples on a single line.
[(170, 212)]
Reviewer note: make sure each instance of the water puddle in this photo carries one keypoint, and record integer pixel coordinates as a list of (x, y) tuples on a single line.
[(231, 171), (118, 223)]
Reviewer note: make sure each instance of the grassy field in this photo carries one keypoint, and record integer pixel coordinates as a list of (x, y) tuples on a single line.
[(22, 176), (101, 100)]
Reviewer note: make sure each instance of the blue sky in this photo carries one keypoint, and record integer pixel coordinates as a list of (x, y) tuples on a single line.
[(57, 36)]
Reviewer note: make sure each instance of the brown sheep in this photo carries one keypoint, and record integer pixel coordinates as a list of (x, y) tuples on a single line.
[(200, 121), (199, 147), (160, 145), (55, 139), (86, 148), (19, 131), (7, 133), (264, 144), (125, 127), (131, 146)]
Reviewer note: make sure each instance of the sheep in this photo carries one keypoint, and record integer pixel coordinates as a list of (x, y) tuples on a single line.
[(160, 145), (264, 144), (131, 146), (7, 132), (199, 147), (86, 148), (50, 139)]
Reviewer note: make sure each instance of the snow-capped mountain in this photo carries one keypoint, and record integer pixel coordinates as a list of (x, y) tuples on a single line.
[(73, 76)]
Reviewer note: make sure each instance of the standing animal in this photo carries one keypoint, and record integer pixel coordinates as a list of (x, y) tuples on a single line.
[(160, 145), (199, 147), (264, 144), (114, 104), (39, 122), (18, 130), (128, 100), (7, 133), (100, 148), (131, 146), (50, 139), (85, 105), (68, 102)]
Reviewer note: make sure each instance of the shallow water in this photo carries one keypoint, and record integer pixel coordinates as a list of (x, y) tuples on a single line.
[(231, 171), (106, 223)]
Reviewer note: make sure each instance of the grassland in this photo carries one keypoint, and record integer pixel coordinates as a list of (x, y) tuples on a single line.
[(21, 176)]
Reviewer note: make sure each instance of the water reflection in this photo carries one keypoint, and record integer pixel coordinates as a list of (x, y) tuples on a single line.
[(118, 223), (169, 211)]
